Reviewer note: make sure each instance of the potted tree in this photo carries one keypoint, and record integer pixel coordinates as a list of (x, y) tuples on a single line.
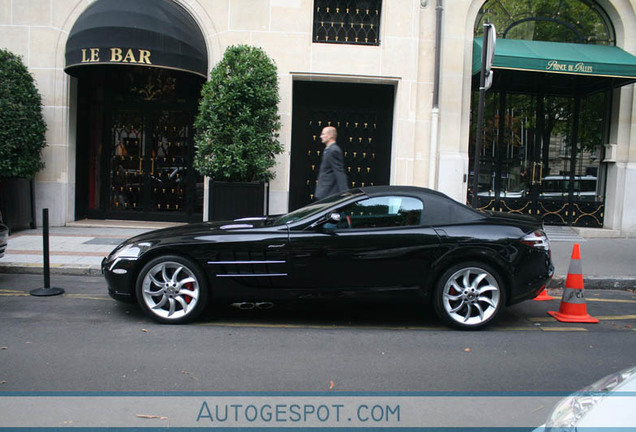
[(237, 131), (22, 138)]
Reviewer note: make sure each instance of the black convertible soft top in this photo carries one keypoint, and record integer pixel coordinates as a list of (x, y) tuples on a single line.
[(439, 209)]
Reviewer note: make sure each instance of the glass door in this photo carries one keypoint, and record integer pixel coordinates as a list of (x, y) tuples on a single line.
[(541, 156), (127, 175), (149, 164)]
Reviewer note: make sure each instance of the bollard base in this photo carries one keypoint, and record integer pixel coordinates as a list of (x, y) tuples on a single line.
[(45, 292)]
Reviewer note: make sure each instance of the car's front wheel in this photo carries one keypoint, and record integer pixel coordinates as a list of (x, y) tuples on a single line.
[(469, 296), (172, 289)]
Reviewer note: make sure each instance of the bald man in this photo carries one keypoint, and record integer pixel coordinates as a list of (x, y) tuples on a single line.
[(331, 176)]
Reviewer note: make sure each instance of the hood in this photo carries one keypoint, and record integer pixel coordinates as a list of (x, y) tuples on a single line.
[(204, 228)]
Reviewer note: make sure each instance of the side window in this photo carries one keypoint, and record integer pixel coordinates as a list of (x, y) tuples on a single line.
[(382, 212)]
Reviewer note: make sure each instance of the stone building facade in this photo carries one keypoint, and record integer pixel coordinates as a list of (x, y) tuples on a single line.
[(400, 122)]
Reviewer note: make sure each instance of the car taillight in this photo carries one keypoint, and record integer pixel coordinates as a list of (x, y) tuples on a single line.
[(536, 239)]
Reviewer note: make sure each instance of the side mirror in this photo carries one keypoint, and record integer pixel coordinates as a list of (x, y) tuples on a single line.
[(334, 218), (327, 223)]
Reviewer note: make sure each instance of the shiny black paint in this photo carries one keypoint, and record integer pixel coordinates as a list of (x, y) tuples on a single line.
[(4, 238), (305, 258)]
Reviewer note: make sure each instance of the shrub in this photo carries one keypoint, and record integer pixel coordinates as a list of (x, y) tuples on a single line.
[(237, 124), (22, 127)]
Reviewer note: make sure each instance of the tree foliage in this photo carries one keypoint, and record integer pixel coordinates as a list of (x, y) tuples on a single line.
[(574, 21), (22, 127), (238, 122)]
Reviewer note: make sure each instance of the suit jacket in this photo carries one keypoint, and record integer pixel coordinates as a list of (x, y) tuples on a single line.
[(331, 176)]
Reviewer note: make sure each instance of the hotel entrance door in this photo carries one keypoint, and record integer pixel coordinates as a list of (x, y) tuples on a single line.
[(149, 170), (135, 145), (542, 156)]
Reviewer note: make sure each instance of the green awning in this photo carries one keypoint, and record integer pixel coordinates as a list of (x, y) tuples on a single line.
[(559, 58)]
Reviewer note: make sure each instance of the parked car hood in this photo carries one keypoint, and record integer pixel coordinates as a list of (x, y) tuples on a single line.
[(204, 228)]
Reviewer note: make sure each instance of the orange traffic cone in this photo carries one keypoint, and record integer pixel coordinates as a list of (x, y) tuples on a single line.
[(573, 307), (543, 295)]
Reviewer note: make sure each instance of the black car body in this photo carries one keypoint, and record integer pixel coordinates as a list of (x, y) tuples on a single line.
[(383, 238), (4, 237)]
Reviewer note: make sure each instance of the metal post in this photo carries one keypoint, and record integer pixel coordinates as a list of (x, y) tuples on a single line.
[(46, 290), (480, 111)]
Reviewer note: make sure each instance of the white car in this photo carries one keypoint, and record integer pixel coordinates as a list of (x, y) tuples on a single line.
[(558, 187), (608, 403)]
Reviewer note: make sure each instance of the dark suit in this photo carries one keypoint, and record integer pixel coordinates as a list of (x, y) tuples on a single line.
[(331, 176)]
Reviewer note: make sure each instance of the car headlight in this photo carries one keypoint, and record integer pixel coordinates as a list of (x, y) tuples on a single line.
[(129, 251), (567, 413)]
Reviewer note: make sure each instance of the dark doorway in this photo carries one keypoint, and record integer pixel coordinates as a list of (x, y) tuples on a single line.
[(135, 145), (363, 115)]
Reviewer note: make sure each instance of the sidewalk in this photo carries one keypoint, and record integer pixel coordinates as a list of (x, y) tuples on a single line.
[(76, 249), (79, 247)]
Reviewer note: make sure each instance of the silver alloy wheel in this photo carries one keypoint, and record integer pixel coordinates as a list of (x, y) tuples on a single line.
[(471, 296), (170, 290)]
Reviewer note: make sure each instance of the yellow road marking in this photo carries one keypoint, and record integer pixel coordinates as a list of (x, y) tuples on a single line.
[(18, 293), (88, 297), (317, 326), (529, 328), (610, 300), (8, 293), (342, 326), (541, 319), (600, 318)]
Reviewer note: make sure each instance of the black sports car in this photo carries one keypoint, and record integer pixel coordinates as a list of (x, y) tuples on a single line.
[(384, 238), (4, 237)]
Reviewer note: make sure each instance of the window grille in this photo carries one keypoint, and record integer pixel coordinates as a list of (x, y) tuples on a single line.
[(347, 21)]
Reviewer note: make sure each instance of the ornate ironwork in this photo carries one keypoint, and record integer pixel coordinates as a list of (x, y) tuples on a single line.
[(347, 21), (589, 214), (149, 169), (127, 161), (169, 161), (552, 212)]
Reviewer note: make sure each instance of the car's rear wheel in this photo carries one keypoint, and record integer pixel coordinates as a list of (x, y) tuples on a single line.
[(469, 296), (172, 289)]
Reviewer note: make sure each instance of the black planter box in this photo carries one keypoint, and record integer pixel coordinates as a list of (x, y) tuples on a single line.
[(16, 203), (229, 200)]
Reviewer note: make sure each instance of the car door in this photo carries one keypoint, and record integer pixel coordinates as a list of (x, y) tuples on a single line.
[(379, 242), (255, 258)]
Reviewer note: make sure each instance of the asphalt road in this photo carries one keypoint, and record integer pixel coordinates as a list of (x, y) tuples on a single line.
[(84, 341)]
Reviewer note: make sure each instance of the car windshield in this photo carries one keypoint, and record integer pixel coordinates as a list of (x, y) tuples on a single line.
[(317, 206)]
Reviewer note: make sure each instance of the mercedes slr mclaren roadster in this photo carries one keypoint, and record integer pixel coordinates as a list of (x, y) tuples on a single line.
[(469, 264)]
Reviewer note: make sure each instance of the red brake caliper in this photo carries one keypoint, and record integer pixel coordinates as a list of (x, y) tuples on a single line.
[(189, 287)]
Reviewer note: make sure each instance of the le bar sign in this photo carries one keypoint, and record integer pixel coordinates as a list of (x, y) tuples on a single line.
[(116, 55)]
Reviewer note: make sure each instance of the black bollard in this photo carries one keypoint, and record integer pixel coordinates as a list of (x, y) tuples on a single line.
[(46, 290)]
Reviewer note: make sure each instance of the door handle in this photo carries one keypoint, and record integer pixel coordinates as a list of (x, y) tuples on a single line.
[(276, 246), (534, 173)]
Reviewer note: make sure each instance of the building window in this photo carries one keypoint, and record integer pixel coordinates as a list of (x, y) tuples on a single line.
[(573, 21), (347, 21)]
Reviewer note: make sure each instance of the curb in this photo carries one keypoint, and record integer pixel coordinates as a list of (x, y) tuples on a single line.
[(59, 269)]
